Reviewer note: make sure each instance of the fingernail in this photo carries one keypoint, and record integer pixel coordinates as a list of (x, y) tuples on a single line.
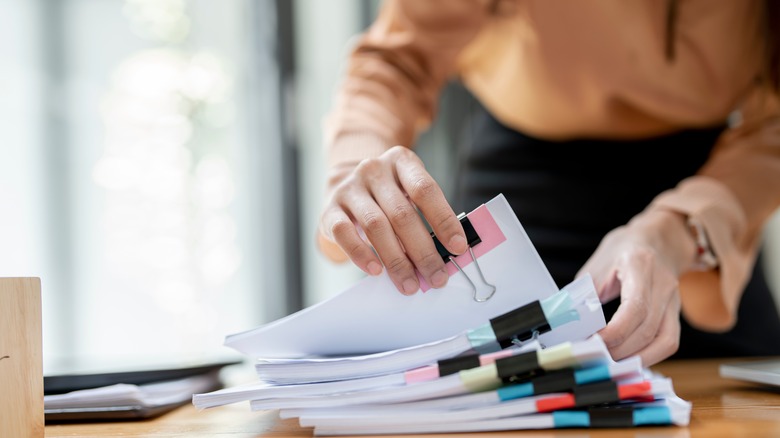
[(458, 244), (439, 279), (410, 286), (374, 268)]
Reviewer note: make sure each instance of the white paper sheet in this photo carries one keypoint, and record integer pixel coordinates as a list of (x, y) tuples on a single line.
[(147, 395), (372, 316), (679, 415)]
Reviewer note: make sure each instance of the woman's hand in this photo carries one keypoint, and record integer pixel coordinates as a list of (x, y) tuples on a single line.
[(641, 263), (380, 199)]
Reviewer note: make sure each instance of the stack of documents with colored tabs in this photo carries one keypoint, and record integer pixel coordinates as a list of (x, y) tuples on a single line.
[(499, 348), (568, 385)]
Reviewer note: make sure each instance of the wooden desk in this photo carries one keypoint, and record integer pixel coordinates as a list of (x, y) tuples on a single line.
[(721, 408)]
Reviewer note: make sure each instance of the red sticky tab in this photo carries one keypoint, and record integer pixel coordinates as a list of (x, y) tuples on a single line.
[(634, 390), (550, 404), (643, 399)]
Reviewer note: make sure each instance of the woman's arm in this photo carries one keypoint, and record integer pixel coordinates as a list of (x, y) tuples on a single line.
[(651, 262), (389, 93), (733, 196)]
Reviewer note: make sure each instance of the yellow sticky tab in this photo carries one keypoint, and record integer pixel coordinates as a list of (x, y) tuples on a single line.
[(557, 357), (484, 378)]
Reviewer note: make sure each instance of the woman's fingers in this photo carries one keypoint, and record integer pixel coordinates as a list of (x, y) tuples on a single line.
[(646, 290), (411, 230), (381, 198), (379, 231), (338, 227), (631, 313), (330, 248), (667, 340), (427, 195)]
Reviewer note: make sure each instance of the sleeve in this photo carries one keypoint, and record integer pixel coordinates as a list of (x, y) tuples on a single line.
[(395, 73), (732, 196)]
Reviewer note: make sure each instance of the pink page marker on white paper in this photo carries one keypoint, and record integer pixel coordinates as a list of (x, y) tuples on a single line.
[(489, 233)]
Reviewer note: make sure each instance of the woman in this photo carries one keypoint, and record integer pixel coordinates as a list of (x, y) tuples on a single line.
[(638, 141)]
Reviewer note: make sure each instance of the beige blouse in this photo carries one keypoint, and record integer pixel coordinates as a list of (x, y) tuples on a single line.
[(562, 69)]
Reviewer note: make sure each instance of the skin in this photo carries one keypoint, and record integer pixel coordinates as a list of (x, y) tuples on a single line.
[(641, 263), (380, 197), (383, 199)]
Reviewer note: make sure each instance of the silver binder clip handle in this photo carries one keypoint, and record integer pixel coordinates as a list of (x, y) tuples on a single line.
[(534, 337), (490, 287)]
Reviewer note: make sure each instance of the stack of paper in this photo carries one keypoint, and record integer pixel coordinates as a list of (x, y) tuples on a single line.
[(371, 361), (122, 400), (572, 385)]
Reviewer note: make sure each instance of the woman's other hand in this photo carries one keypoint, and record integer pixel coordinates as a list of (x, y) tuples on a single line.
[(641, 263)]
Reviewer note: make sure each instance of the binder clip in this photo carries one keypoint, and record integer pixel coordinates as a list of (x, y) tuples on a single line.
[(521, 325), (472, 238), (534, 337)]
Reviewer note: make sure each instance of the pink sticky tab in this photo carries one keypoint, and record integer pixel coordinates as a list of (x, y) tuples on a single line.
[(489, 233), (423, 374), (487, 359)]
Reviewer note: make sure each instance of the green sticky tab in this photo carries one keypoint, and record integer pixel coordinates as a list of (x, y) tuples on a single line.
[(484, 378), (557, 357)]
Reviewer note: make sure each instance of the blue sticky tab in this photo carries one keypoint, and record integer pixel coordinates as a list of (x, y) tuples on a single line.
[(571, 419), (559, 309), (562, 318), (483, 339), (652, 415), (515, 391), (593, 374)]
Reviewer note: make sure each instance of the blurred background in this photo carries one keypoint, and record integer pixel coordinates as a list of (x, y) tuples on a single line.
[(161, 167)]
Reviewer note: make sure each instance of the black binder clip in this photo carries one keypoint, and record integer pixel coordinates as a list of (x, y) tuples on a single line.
[(520, 325), (472, 238)]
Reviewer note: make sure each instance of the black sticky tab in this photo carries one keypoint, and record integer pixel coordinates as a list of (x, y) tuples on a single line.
[(520, 323), (596, 393), (516, 368), (556, 381), (611, 416), (456, 364), (472, 238)]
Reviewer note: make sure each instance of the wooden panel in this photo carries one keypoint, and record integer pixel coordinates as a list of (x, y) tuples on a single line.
[(21, 366)]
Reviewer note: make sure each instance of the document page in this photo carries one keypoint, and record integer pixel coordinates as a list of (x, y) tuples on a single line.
[(372, 316)]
